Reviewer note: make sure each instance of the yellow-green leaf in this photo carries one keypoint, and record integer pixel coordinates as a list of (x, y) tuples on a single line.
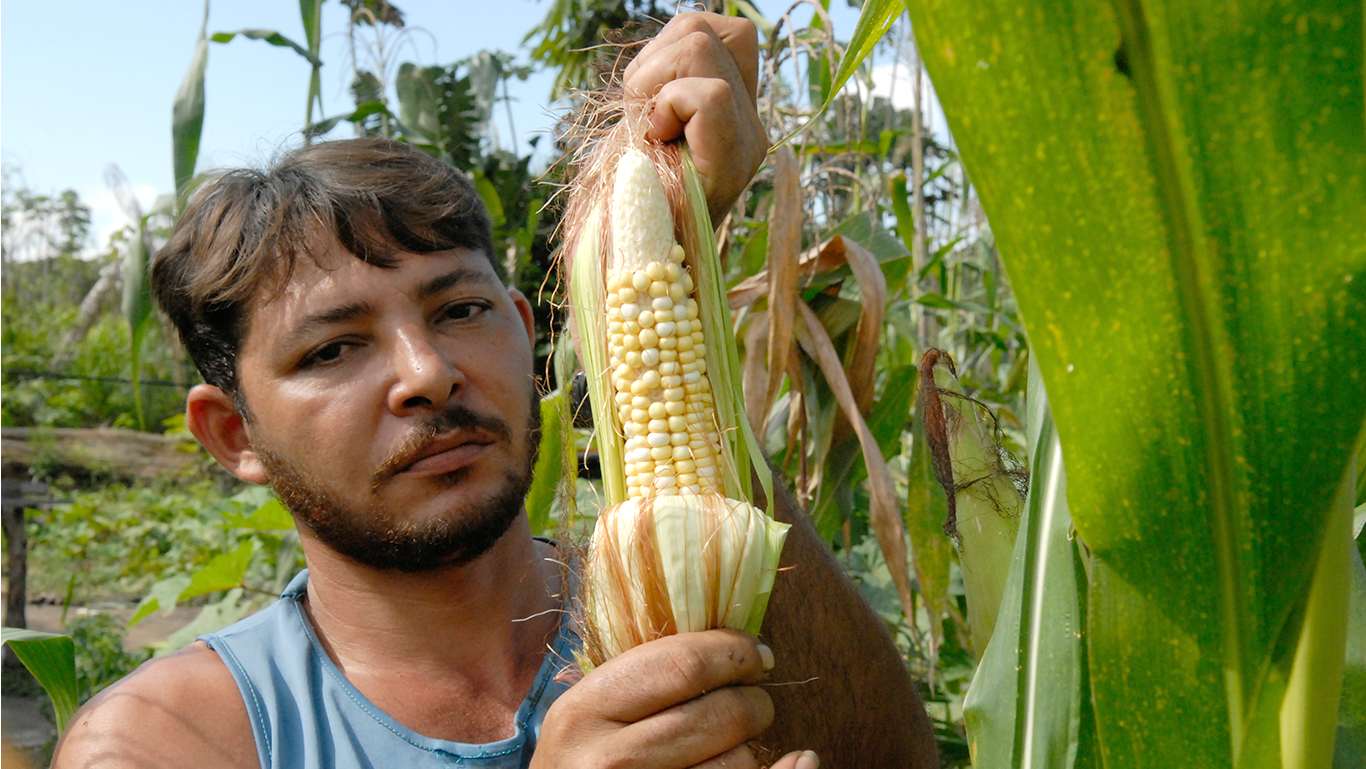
[(1177, 190)]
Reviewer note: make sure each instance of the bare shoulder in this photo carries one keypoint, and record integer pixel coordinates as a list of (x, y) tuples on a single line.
[(179, 710)]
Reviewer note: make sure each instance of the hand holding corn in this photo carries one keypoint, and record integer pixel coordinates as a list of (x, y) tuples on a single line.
[(678, 548), (703, 70), (686, 700)]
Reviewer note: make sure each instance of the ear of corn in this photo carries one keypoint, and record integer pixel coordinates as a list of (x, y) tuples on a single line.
[(678, 546), (986, 502)]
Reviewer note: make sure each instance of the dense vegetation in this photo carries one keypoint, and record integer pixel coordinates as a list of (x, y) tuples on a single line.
[(862, 245)]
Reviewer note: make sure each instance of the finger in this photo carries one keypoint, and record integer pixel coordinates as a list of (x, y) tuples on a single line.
[(699, 54), (680, 101), (712, 724), (798, 759), (727, 140), (661, 674), (737, 35), (738, 757), (704, 110)]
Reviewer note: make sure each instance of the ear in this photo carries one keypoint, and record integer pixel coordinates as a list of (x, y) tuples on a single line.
[(213, 418), (519, 300)]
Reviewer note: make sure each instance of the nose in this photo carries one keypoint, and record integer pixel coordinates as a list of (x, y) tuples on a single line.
[(424, 375)]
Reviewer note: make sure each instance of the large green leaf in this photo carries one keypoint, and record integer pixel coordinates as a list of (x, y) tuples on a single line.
[(271, 516), (270, 36), (52, 661), (187, 112), (223, 572), (1312, 693), (1178, 190), (1350, 747), (164, 594)]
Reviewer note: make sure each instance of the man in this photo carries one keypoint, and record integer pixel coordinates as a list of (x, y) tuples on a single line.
[(363, 356)]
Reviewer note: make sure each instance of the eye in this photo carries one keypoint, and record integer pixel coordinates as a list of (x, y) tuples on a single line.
[(462, 310), (328, 353)]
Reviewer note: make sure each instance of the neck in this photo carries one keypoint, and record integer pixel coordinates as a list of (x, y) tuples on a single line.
[(484, 624)]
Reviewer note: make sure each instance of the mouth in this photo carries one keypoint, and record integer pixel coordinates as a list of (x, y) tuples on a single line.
[(442, 455)]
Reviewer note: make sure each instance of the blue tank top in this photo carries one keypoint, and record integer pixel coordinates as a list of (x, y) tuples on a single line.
[(304, 713)]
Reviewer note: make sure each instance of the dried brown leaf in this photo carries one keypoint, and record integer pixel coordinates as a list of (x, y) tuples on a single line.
[(862, 358), (814, 261), (784, 252), (885, 512), (756, 374)]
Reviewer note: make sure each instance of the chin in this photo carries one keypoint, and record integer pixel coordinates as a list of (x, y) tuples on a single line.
[(468, 519)]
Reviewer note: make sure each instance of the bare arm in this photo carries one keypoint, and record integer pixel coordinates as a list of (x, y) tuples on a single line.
[(862, 709), (176, 711)]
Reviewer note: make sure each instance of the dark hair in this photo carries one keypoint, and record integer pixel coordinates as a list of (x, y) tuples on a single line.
[(244, 231)]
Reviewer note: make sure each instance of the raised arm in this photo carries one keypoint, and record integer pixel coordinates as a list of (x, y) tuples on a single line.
[(858, 706)]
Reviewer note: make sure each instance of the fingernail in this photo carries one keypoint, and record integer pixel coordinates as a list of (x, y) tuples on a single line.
[(808, 760), (766, 657)]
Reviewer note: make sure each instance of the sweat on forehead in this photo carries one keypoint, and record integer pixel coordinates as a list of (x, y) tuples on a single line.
[(242, 232)]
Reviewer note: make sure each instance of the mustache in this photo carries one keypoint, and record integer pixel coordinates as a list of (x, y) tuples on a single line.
[(454, 417)]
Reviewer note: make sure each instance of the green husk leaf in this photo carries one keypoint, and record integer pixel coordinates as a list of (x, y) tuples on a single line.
[(586, 288), (1026, 704), (775, 534), (723, 359), (550, 462)]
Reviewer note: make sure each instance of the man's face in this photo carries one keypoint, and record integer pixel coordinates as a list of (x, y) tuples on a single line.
[(394, 409)]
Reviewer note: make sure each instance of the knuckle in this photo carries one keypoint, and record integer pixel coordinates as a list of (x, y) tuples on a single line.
[(742, 711), (700, 43), (750, 31), (714, 91), (690, 668), (690, 22)]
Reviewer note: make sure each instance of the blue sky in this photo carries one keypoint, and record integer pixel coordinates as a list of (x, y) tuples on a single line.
[(87, 83)]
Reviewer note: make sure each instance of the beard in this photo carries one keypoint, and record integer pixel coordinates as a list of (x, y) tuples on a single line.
[(376, 537)]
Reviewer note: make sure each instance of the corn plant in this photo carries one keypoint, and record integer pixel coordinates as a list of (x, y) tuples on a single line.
[(1154, 173)]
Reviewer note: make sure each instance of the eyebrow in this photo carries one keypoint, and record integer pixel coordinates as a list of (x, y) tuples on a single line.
[(455, 277), (353, 310), (330, 317)]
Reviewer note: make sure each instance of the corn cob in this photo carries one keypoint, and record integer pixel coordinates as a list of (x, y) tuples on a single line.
[(678, 547), (659, 354)]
